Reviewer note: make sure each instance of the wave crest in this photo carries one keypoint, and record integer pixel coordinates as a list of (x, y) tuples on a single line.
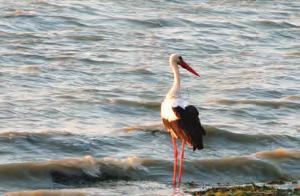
[(279, 153), (218, 136), (148, 105), (87, 169), (269, 103)]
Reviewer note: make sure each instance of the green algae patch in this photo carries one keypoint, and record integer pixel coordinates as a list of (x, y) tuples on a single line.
[(247, 190)]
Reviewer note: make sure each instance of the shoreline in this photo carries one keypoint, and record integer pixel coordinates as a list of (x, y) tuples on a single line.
[(255, 189), (259, 189)]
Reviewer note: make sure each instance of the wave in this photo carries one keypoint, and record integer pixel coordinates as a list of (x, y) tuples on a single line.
[(292, 97), (240, 167), (148, 105), (13, 134), (85, 37), (279, 153), (152, 128), (249, 168), (87, 169), (73, 170), (272, 24), (48, 192), (140, 70), (219, 136), (269, 103), (216, 138), (30, 69), (150, 23), (20, 13)]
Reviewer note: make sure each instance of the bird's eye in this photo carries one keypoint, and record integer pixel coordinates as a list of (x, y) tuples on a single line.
[(180, 58)]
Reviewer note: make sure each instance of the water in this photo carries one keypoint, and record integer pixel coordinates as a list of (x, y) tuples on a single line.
[(82, 81)]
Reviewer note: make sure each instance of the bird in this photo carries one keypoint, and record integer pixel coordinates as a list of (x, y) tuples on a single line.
[(180, 118)]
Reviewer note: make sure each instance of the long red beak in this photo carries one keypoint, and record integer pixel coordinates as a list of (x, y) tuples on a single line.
[(187, 67)]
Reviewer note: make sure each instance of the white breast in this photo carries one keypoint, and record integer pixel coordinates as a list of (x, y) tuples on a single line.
[(168, 104)]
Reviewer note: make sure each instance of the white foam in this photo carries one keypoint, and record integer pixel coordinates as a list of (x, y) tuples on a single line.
[(129, 162), (90, 166)]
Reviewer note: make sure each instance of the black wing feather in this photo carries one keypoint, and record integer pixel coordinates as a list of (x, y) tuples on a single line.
[(190, 126)]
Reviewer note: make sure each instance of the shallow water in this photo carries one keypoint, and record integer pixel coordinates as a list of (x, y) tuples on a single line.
[(81, 84)]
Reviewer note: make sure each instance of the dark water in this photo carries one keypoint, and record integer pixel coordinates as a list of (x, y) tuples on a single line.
[(81, 84)]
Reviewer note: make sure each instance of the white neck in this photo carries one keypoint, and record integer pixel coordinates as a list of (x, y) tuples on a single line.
[(175, 90)]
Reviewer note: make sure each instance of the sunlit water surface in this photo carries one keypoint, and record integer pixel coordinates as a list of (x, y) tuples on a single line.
[(81, 84)]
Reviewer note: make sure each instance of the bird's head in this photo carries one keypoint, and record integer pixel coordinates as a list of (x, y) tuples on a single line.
[(176, 59)]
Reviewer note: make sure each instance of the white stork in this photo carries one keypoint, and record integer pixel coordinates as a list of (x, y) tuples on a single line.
[(179, 118)]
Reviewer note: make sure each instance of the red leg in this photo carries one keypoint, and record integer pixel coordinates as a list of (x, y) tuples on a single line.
[(175, 160), (181, 160)]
